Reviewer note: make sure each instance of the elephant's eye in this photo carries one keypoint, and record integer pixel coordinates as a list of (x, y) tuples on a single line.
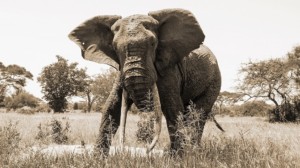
[(148, 26), (116, 28)]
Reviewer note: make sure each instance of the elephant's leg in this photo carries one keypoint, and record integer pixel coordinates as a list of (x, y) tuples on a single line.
[(171, 113), (204, 105), (172, 106), (110, 120)]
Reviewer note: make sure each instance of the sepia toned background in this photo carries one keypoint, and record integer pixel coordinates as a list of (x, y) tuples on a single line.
[(33, 32)]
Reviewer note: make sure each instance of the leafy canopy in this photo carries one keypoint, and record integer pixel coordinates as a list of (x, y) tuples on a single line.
[(12, 77), (276, 79), (61, 80), (98, 88)]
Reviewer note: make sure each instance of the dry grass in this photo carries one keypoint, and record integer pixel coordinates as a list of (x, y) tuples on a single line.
[(247, 142)]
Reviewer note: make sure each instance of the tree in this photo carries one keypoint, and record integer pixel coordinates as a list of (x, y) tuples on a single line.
[(294, 64), (227, 98), (103, 85), (98, 88), (12, 76), (88, 95), (269, 79), (61, 80)]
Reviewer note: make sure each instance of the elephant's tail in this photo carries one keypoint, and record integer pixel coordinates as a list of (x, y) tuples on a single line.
[(217, 124)]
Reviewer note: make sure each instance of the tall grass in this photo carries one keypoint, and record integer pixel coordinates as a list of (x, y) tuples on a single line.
[(224, 152), (247, 142)]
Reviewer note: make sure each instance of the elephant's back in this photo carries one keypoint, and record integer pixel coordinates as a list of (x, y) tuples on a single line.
[(201, 69)]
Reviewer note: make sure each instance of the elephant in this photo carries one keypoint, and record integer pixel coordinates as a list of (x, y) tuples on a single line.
[(161, 53)]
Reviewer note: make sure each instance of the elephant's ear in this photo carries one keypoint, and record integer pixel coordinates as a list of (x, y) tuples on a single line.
[(178, 34), (94, 37)]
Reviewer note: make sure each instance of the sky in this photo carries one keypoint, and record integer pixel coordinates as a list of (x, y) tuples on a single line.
[(33, 32)]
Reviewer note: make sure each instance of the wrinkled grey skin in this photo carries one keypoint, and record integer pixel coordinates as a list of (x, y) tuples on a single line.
[(164, 47)]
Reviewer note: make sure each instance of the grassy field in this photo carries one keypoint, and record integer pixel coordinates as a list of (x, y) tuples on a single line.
[(247, 142)]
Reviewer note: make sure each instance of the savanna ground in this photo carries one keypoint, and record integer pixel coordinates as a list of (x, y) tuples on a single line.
[(247, 142)]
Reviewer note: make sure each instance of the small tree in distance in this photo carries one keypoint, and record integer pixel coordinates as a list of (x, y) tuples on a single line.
[(226, 98), (98, 88), (103, 84), (61, 80)]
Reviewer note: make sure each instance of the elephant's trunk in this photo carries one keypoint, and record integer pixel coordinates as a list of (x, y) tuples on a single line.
[(138, 81)]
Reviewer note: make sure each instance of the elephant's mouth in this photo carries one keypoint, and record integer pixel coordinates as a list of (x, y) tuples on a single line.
[(157, 111)]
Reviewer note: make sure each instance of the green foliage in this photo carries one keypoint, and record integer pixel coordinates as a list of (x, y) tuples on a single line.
[(9, 141), (53, 132), (21, 100), (60, 80)]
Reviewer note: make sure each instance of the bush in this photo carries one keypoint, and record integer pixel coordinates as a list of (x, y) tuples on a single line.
[(78, 106), (43, 107), (20, 100), (188, 124), (9, 142), (145, 132), (54, 132), (75, 106), (255, 108), (249, 108), (26, 110), (288, 112)]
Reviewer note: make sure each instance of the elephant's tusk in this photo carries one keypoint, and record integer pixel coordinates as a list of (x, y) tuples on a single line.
[(158, 117), (124, 110)]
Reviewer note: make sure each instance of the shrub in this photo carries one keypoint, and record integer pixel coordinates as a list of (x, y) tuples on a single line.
[(249, 108), (75, 106), (255, 108), (78, 106), (9, 142), (288, 112), (54, 132), (145, 132), (188, 126), (26, 110), (20, 100), (43, 107)]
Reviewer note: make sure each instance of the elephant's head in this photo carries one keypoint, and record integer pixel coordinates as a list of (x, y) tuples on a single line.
[(140, 46)]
